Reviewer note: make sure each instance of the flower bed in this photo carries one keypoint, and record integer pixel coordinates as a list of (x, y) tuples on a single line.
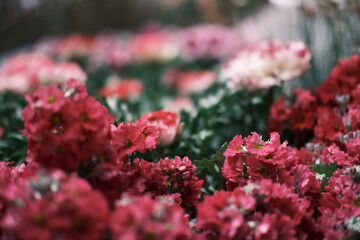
[(163, 135)]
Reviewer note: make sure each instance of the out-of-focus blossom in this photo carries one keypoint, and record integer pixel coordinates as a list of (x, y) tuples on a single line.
[(61, 72), (1, 132), (110, 49), (75, 45), (195, 82), (180, 103), (27, 71), (53, 206), (21, 72), (342, 80), (167, 122), (123, 89), (208, 42), (266, 64), (155, 46)]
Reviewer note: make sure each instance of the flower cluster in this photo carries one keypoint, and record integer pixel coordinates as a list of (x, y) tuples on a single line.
[(252, 159), (260, 210), (173, 177), (150, 219), (65, 126), (326, 113), (26, 71), (54, 206), (266, 64)]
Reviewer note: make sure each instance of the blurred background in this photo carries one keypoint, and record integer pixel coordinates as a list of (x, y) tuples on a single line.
[(332, 34), (25, 21)]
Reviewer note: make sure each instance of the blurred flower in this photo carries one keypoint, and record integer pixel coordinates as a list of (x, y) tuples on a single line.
[(75, 45), (123, 89), (61, 72), (208, 42), (195, 82), (167, 122), (142, 217), (179, 104), (21, 71), (266, 64), (157, 45), (110, 49)]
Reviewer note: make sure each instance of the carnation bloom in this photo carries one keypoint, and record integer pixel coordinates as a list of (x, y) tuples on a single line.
[(167, 122), (266, 64), (145, 218), (123, 89)]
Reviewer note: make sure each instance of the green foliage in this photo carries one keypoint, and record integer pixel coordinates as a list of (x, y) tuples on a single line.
[(327, 169), (210, 171), (13, 145)]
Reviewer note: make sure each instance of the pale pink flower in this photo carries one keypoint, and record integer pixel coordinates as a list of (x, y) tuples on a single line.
[(266, 64)]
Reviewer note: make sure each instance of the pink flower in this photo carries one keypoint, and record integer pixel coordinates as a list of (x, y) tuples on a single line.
[(266, 64), (179, 104), (195, 82), (61, 72), (124, 89), (126, 138), (208, 41), (158, 45), (75, 45), (167, 122), (111, 50), (21, 72)]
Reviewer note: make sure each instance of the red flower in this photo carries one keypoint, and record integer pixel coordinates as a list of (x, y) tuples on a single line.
[(126, 138), (167, 122), (342, 80), (145, 218), (330, 126), (65, 206), (65, 128), (180, 177)]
